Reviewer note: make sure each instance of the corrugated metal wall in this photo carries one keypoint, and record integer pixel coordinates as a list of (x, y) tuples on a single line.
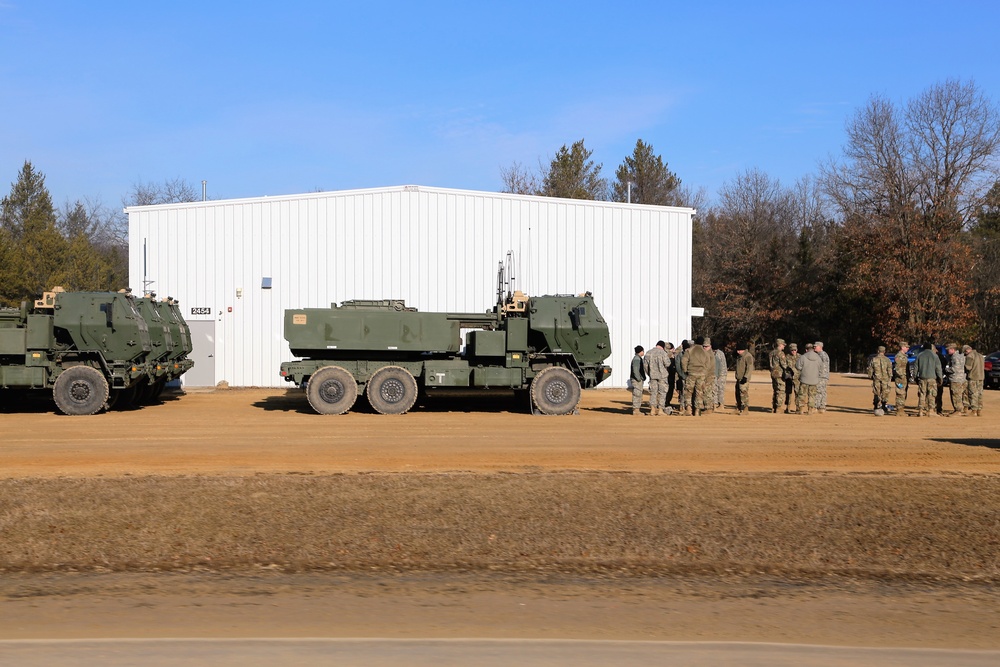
[(436, 248)]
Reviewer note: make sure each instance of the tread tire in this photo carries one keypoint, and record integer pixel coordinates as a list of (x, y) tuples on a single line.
[(392, 390), (332, 390), (555, 391), (80, 390)]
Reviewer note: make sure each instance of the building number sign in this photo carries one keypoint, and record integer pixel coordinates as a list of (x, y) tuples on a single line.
[(201, 311)]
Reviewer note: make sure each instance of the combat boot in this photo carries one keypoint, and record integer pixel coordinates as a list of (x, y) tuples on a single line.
[(656, 412), (979, 413), (637, 413)]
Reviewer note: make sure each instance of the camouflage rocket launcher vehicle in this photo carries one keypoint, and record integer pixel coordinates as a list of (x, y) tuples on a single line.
[(91, 349), (170, 341), (549, 346)]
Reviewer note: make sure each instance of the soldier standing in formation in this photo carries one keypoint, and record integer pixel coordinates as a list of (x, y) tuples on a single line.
[(809, 366), (744, 371), (901, 377), (880, 372), (791, 377), (721, 369), (657, 364), (824, 376), (777, 362), (638, 377), (975, 371), (929, 377), (956, 380)]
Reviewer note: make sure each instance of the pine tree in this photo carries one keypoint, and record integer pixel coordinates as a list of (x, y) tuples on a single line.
[(652, 182), (573, 175)]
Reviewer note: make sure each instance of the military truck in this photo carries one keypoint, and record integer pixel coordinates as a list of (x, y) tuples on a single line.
[(170, 342), (88, 348), (549, 347)]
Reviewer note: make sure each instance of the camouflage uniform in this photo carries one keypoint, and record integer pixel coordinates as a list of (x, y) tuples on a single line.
[(792, 383), (777, 363), (657, 363), (901, 377), (699, 366), (809, 366), (975, 371), (929, 376), (637, 376), (880, 372), (744, 371), (824, 377), (721, 368), (956, 380)]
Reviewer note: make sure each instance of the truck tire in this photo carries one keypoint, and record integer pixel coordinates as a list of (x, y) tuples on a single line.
[(392, 390), (80, 390), (332, 390), (555, 391)]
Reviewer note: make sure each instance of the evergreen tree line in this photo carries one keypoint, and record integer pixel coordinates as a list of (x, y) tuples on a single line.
[(896, 239), (82, 246)]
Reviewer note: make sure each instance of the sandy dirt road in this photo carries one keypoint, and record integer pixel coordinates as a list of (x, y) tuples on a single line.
[(267, 430), (259, 431)]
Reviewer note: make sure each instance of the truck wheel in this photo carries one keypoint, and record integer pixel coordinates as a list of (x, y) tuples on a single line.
[(392, 390), (555, 391), (332, 390), (80, 390)]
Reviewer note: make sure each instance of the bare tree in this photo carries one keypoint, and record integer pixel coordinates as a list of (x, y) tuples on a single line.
[(518, 180), (906, 187)]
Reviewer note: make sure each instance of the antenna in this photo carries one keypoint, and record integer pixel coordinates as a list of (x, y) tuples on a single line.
[(146, 283)]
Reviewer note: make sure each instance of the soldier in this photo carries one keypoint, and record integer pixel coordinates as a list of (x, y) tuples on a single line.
[(975, 372), (901, 377), (657, 362), (809, 366), (777, 362), (684, 407), (638, 376), (956, 380), (721, 369), (929, 377), (744, 371), (880, 372), (671, 374), (791, 377), (824, 376), (698, 365)]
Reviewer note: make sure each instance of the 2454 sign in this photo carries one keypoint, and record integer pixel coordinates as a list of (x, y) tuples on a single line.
[(204, 310)]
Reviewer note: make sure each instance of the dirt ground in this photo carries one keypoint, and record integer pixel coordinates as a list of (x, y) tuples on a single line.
[(270, 430), (268, 433)]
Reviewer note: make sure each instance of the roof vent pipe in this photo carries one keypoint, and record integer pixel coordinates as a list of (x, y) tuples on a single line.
[(204, 190)]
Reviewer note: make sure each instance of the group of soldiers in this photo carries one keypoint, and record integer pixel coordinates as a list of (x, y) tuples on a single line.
[(964, 369), (799, 381), (695, 371)]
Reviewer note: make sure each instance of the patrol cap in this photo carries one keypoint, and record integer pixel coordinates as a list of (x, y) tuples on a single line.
[(881, 349), (966, 348), (952, 346), (779, 341), (809, 346), (818, 343), (903, 343), (793, 346), (707, 341)]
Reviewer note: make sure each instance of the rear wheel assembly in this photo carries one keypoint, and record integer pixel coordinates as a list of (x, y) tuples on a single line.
[(392, 390)]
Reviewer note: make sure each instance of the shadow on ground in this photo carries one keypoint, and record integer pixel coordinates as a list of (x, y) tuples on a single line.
[(989, 443)]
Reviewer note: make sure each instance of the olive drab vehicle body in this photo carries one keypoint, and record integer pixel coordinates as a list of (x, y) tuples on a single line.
[(549, 347), (90, 349)]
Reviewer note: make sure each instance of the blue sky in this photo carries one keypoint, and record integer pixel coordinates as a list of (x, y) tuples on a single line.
[(267, 98)]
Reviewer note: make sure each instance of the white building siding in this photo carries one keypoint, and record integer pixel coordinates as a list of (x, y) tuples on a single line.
[(438, 249)]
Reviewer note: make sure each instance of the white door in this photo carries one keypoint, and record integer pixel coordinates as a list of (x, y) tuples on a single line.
[(203, 354)]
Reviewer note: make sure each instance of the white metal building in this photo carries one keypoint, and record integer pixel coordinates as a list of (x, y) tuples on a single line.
[(236, 265)]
